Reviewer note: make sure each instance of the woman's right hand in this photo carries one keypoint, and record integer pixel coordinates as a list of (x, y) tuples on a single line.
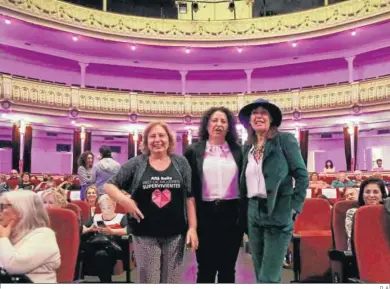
[(131, 207)]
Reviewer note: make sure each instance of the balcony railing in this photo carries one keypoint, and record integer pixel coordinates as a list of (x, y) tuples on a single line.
[(352, 98), (324, 20)]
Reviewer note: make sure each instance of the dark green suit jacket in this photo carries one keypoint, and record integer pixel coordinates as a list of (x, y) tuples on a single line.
[(282, 161)]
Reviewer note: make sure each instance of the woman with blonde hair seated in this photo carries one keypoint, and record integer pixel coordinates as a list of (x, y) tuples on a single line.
[(91, 197), (55, 198), (28, 245)]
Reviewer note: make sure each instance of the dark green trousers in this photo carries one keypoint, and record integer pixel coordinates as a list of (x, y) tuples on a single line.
[(268, 242)]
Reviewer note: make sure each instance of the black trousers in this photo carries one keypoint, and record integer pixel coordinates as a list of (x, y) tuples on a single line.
[(219, 241), (101, 263)]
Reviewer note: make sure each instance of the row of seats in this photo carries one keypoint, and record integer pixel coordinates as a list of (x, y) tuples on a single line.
[(320, 244)]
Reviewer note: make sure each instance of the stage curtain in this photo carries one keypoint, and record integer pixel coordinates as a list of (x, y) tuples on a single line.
[(15, 147), (130, 146), (139, 143), (347, 147), (185, 141), (304, 144), (88, 141), (27, 149), (76, 150), (355, 143)]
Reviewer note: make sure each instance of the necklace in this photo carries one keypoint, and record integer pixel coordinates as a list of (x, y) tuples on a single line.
[(258, 152)]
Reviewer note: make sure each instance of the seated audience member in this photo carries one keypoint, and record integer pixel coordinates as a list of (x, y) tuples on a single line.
[(372, 192), (100, 247), (379, 167), (342, 182), (329, 168), (28, 245), (378, 175), (14, 175), (4, 187), (46, 177), (46, 185), (68, 184), (25, 183), (104, 169), (351, 194), (54, 198), (316, 183), (325, 198), (91, 199), (358, 178)]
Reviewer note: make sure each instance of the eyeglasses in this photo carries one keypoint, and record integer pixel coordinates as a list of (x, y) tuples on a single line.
[(4, 206)]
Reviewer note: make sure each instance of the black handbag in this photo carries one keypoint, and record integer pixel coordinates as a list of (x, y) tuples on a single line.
[(102, 242), (7, 278)]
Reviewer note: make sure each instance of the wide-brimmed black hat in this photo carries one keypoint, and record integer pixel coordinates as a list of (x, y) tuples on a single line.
[(274, 111)]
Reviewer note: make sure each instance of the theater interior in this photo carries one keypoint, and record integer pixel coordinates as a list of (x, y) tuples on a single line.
[(75, 77)]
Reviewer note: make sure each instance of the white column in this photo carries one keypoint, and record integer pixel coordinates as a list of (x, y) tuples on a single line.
[(82, 137), (83, 67), (248, 80), (189, 137), (350, 68), (22, 131), (135, 138), (183, 74), (104, 5)]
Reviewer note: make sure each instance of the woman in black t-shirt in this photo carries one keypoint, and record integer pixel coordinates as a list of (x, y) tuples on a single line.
[(161, 203)]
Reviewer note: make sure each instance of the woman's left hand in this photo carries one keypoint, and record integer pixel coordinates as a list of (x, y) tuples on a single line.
[(192, 239), (5, 232)]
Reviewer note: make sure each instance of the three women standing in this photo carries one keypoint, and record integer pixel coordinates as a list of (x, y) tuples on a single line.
[(216, 165)]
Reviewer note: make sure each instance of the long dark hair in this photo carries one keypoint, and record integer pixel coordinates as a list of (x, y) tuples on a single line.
[(331, 164), (368, 181), (105, 151), (82, 162), (231, 135)]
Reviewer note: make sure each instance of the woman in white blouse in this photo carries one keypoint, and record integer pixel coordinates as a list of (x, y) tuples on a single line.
[(27, 244), (216, 164)]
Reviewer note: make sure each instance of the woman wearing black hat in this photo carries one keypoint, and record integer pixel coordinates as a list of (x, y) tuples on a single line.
[(271, 160)]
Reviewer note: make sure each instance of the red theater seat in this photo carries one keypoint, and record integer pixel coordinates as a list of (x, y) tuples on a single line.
[(372, 244), (65, 224), (13, 184), (312, 240), (85, 212), (342, 263)]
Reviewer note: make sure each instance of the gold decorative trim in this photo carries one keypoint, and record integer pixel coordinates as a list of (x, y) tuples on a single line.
[(315, 22), (310, 101)]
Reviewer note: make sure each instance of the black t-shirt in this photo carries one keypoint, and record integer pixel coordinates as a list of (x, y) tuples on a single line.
[(161, 199)]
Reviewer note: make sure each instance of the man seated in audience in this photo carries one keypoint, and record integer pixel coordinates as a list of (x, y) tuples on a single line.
[(14, 175), (342, 182), (25, 183), (379, 167), (316, 183), (4, 187), (351, 194), (372, 192), (358, 178)]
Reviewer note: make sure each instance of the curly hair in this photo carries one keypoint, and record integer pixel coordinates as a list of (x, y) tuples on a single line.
[(82, 162), (231, 135)]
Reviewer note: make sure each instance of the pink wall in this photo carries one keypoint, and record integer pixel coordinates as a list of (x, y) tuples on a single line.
[(5, 153), (44, 155), (98, 141), (263, 79)]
